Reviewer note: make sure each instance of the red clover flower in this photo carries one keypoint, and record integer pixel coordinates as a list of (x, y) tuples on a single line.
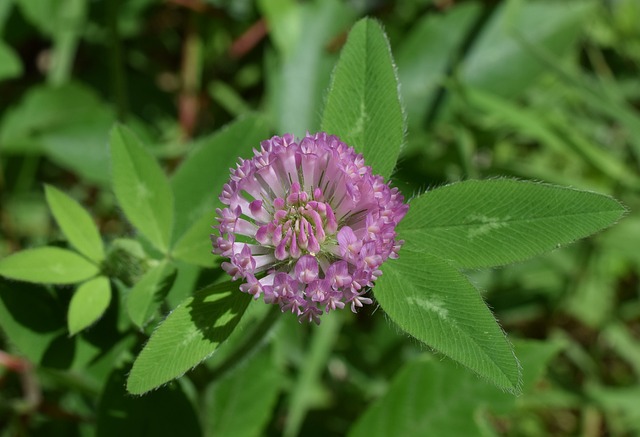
[(307, 225)]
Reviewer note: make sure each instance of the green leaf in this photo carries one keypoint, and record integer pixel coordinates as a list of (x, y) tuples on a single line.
[(190, 334), (195, 245), (49, 16), (47, 265), (432, 301), (424, 55), (74, 138), (363, 107), (141, 187), (10, 64), (298, 75), (236, 408), (495, 222), (198, 182), (76, 224), (165, 412), (500, 59), (429, 397), (184, 284), (284, 17), (147, 295), (88, 304)]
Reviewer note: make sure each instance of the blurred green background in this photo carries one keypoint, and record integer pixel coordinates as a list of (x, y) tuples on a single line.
[(541, 90)]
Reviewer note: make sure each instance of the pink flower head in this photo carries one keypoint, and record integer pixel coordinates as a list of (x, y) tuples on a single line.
[(307, 225)]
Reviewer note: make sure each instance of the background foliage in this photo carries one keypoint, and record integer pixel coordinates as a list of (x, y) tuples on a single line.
[(540, 90)]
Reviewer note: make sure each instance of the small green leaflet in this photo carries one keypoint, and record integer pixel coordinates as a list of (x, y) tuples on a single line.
[(198, 181), (47, 265), (76, 224), (195, 245), (148, 293), (88, 304), (363, 106), (141, 187), (490, 223), (435, 303), (191, 333)]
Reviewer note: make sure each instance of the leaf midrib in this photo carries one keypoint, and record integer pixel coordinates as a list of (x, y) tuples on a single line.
[(518, 220)]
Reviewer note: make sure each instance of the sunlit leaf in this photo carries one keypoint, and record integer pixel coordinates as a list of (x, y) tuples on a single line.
[(191, 333), (76, 224), (363, 107), (88, 304), (495, 222), (47, 265), (432, 301)]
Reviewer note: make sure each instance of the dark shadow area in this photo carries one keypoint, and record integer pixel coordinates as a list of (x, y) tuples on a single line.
[(166, 411), (60, 352), (40, 312), (211, 303)]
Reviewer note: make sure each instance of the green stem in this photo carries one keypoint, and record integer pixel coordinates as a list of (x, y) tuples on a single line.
[(118, 79), (466, 149), (73, 14), (26, 174), (324, 337)]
